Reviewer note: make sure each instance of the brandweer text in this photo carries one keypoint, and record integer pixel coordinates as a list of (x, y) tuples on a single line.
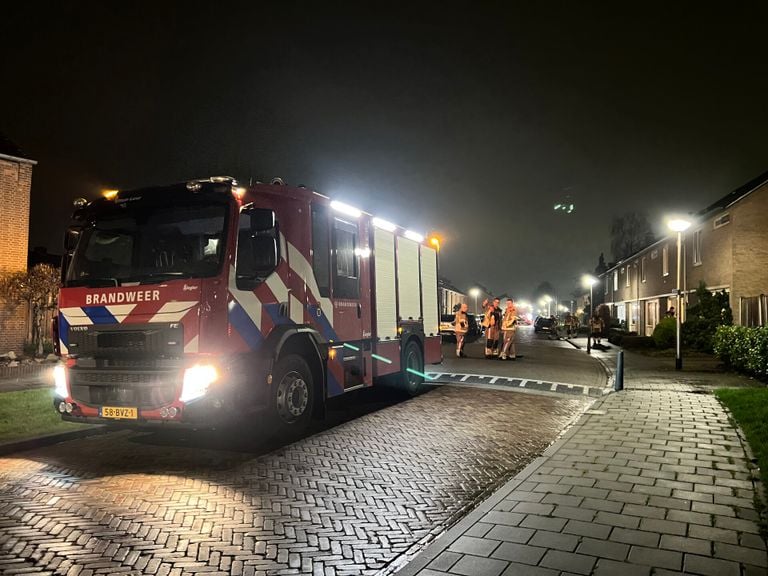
[(123, 297)]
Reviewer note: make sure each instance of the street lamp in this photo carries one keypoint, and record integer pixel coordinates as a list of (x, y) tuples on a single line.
[(590, 281), (678, 225), (475, 292)]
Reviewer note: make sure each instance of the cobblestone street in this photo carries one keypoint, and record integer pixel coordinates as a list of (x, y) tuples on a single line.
[(347, 500)]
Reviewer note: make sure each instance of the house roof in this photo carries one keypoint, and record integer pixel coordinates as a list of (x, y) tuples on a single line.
[(736, 195), (721, 204)]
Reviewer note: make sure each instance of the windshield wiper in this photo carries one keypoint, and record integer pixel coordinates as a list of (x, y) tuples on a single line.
[(153, 277), (93, 281)]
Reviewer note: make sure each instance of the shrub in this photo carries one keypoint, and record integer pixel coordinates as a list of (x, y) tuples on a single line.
[(664, 333), (744, 349), (709, 312)]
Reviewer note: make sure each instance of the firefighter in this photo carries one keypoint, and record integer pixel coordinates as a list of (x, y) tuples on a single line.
[(596, 328), (508, 329), (461, 327), (492, 321)]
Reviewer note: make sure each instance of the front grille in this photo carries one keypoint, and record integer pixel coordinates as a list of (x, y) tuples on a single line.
[(123, 388), (121, 340), (128, 340)]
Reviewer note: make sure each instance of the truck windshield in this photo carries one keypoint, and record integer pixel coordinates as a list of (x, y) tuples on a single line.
[(149, 244)]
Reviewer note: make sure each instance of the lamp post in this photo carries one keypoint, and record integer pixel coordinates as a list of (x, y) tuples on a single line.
[(678, 225), (548, 300), (474, 292), (590, 281)]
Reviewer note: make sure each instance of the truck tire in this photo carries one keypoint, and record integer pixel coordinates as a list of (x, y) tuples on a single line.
[(413, 383), (292, 395)]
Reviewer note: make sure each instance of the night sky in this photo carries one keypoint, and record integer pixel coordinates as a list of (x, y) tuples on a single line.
[(473, 119)]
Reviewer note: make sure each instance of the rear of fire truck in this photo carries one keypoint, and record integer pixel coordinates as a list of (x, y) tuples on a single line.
[(143, 273)]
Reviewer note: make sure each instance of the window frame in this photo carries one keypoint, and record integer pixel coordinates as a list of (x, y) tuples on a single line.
[(321, 249), (696, 240), (347, 287), (722, 220)]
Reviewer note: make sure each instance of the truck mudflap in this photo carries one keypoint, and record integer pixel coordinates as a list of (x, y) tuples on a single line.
[(433, 352)]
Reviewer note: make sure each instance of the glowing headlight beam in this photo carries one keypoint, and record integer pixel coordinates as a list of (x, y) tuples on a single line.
[(197, 380), (60, 381)]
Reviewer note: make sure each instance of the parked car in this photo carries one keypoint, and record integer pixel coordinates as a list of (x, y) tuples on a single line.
[(448, 331), (543, 324)]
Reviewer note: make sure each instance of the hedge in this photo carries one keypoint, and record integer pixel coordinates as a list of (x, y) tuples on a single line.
[(742, 348)]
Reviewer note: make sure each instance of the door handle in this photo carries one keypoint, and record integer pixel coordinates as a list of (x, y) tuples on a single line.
[(359, 310)]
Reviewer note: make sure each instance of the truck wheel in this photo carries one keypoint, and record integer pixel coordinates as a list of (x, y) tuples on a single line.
[(293, 393), (413, 369)]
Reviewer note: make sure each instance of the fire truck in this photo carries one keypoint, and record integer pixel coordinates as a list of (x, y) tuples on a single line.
[(201, 303)]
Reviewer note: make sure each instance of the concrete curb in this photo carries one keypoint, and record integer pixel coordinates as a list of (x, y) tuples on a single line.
[(420, 560), (49, 439)]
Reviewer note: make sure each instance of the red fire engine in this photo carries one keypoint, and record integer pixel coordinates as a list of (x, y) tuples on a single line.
[(200, 302)]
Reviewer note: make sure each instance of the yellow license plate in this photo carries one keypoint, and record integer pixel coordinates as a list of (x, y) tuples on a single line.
[(119, 412)]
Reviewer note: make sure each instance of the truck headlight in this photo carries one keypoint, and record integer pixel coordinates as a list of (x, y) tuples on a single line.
[(197, 379), (60, 381)]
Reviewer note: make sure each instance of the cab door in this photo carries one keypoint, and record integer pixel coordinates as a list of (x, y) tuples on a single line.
[(346, 250)]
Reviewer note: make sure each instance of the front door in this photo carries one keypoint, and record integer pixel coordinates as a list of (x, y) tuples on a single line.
[(651, 316)]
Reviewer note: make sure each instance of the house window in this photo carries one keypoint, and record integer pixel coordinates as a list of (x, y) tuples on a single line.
[(642, 269), (721, 221), (665, 261), (615, 279), (626, 283), (752, 310), (697, 248)]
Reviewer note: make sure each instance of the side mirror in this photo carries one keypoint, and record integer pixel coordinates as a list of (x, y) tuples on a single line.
[(258, 247), (262, 220)]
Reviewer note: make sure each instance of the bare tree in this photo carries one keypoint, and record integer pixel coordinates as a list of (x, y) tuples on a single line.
[(630, 233), (543, 289), (38, 287)]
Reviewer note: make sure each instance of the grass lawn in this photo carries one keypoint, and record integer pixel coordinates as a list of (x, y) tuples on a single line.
[(749, 406), (29, 413)]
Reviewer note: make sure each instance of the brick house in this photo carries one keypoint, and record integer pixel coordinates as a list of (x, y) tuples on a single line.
[(726, 247), (15, 185)]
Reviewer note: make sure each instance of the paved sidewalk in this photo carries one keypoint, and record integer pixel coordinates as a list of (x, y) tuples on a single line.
[(26, 377), (651, 480)]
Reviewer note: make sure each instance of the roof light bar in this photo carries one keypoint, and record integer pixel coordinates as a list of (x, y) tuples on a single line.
[(345, 209), (384, 225)]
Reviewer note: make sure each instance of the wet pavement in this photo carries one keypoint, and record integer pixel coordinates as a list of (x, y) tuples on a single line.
[(372, 486), (653, 480)]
